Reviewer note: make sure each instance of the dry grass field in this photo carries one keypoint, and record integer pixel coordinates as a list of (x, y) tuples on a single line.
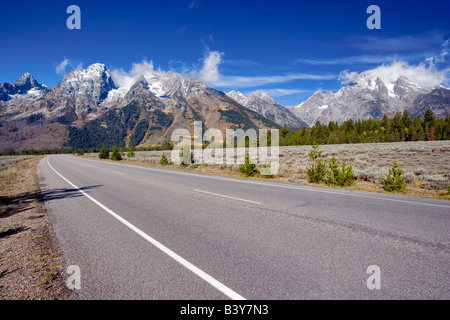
[(425, 164), (30, 262)]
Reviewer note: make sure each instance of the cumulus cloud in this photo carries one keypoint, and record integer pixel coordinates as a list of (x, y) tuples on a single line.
[(211, 75), (210, 71), (425, 74), (125, 79), (60, 68)]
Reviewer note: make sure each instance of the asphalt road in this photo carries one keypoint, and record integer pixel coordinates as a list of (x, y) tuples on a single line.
[(146, 233)]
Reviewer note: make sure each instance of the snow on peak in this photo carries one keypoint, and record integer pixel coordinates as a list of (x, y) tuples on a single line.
[(238, 96)]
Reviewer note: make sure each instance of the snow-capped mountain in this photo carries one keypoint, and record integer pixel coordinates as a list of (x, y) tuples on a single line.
[(89, 110), (265, 105), (366, 98), (26, 84), (81, 91)]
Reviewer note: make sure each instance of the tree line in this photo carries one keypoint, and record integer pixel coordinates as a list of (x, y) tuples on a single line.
[(400, 128)]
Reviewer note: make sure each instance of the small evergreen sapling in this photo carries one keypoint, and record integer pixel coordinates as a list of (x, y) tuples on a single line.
[(394, 180), (247, 168), (104, 154), (164, 161), (131, 153), (317, 172), (116, 155)]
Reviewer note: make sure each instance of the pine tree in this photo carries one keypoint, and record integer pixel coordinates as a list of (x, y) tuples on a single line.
[(116, 155), (104, 154), (247, 168), (131, 153), (316, 173), (348, 176), (406, 118), (164, 161), (429, 118), (334, 174), (394, 180)]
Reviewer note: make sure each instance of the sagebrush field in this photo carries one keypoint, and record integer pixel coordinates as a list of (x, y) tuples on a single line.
[(425, 164)]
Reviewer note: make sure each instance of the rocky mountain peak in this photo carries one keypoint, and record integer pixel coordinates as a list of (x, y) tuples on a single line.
[(262, 103), (367, 97), (26, 82), (238, 96)]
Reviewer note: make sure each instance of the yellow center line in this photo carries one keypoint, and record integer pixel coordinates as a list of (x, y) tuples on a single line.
[(228, 197)]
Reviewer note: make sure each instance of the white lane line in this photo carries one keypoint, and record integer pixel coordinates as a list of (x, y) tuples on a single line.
[(341, 193), (228, 197), (215, 283)]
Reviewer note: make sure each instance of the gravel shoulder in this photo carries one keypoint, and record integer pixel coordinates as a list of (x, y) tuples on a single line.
[(31, 264)]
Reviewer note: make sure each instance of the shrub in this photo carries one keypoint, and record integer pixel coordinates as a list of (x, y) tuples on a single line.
[(80, 152), (247, 168), (131, 153), (116, 155), (104, 154), (164, 161), (394, 180), (339, 177), (185, 161), (265, 170), (333, 176), (347, 175), (316, 173)]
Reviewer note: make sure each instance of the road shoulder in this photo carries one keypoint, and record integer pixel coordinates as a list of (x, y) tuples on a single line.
[(31, 263)]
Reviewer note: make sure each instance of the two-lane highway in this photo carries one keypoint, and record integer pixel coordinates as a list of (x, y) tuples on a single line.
[(146, 233)]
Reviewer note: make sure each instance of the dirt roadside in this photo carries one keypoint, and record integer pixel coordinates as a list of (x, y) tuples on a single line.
[(31, 264)]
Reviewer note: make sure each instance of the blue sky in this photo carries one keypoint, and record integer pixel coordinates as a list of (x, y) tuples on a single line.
[(287, 48)]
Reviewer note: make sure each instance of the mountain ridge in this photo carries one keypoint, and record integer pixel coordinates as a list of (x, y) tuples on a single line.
[(96, 112), (88, 106), (370, 98)]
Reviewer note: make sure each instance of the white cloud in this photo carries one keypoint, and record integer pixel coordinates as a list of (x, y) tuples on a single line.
[(347, 77), (364, 59), (209, 73), (283, 92), (60, 68), (427, 75), (440, 58), (124, 79), (248, 82)]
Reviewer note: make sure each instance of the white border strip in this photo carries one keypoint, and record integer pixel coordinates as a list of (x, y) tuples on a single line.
[(216, 284)]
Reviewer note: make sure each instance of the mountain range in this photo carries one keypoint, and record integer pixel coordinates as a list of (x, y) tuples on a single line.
[(369, 98), (88, 110)]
